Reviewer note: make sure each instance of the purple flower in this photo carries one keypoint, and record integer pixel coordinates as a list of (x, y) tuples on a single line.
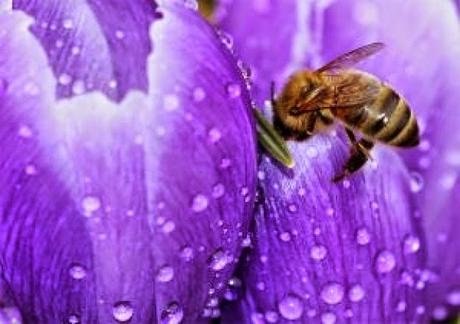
[(381, 247), (119, 162), (128, 166)]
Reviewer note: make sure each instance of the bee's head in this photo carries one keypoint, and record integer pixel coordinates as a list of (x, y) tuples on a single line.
[(289, 111)]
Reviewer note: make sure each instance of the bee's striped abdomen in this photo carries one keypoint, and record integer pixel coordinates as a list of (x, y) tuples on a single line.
[(390, 120)]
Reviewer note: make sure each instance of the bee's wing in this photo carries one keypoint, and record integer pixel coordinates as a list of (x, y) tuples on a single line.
[(348, 91), (351, 58)]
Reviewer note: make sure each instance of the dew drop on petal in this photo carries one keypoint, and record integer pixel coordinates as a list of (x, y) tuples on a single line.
[(401, 306), (218, 190), (291, 307), (318, 252), (271, 317), (440, 313), (65, 79), (199, 203), (233, 90), (312, 152), (170, 102), (173, 314), (25, 131), (332, 293), (362, 236), (416, 182), (219, 260), (214, 135), (122, 311), (411, 244), (30, 169), (90, 204), (67, 23), (356, 293), (199, 94), (168, 227), (453, 297), (78, 87), (328, 318), (285, 236), (77, 271), (292, 208), (73, 319), (165, 274), (385, 262), (186, 253)]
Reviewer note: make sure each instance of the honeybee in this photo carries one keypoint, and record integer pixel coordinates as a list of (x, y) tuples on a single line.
[(314, 100)]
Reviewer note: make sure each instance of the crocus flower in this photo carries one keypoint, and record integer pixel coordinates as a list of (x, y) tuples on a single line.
[(125, 137), (128, 166), (382, 246)]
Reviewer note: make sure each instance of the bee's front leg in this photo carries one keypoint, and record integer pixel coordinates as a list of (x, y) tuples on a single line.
[(359, 156)]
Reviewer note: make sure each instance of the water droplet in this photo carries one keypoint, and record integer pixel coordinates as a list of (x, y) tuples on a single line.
[(199, 94), (416, 182), (318, 252), (168, 227), (440, 313), (385, 262), (346, 184), (30, 169), (453, 297), (420, 310), (411, 244), (25, 131), (356, 293), (328, 318), (233, 90), (272, 317), (218, 190), (219, 260), (226, 39), (170, 102), (332, 293), (90, 204), (285, 237), (173, 314), (77, 271), (78, 87), (65, 79), (200, 203), (212, 302), (73, 319), (122, 311), (291, 307), (186, 253), (225, 163), (260, 286), (67, 23), (401, 306), (362, 236), (214, 135), (165, 274), (75, 50), (292, 208), (330, 211), (119, 34)]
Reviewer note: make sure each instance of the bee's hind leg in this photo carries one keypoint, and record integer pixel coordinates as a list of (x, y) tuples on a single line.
[(359, 156)]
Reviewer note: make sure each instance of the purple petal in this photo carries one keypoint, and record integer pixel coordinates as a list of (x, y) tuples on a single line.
[(420, 60), (103, 45), (324, 251), (117, 210)]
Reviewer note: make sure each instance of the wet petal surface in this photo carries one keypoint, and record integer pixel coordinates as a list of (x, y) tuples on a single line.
[(325, 252), (420, 61), (106, 214)]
